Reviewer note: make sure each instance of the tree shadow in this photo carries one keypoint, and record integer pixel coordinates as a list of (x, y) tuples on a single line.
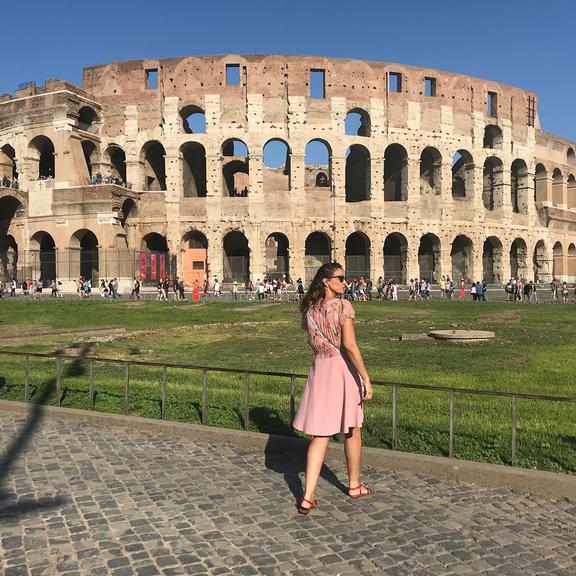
[(18, 445)]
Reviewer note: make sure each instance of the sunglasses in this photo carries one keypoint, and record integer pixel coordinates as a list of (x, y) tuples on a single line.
[(341, 278)]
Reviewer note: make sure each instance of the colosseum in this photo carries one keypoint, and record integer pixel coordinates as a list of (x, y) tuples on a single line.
[(245, 166)]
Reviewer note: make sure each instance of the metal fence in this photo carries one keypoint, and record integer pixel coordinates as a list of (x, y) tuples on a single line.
[(451, 393)]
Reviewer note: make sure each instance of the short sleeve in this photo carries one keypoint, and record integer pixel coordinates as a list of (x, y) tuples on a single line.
[(346, 311)]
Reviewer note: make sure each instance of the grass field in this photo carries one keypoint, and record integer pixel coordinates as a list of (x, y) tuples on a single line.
[(534, 351)]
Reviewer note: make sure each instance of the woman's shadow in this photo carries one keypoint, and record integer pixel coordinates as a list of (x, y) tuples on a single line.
[(285, 452)]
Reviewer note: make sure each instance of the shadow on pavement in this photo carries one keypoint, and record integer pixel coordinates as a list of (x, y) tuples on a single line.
[(8, 507)]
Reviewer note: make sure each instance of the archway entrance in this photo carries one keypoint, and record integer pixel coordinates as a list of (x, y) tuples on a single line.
[(277, 258), (395, 250), (492, 261), (518, 259), (45, 257), (195, 258), (429, 257), (316, 252), (236, 257), (462, 258), (357, 259)]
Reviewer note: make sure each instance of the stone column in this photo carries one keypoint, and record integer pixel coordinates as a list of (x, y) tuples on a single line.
[(446, 191), (297, 187), (477, 202), (412, 267), (256, 188)]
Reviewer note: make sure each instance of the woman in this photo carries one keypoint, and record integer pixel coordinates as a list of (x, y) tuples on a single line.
[(196, 292), (338, 383)]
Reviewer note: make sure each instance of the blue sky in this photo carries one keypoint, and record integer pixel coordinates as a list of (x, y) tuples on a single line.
[(524, 43)]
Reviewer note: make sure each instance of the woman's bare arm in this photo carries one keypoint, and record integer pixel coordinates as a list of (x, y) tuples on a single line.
[(351, 347)]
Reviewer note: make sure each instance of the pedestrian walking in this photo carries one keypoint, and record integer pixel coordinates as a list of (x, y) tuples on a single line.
[(338, 384)]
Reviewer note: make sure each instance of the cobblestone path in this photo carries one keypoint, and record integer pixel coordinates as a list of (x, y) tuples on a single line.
[(79, 499)]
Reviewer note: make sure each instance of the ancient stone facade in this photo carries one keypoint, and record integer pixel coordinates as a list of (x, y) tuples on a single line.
[(235, 166)]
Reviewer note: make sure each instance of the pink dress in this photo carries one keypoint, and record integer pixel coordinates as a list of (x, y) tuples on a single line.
[(331, 401)]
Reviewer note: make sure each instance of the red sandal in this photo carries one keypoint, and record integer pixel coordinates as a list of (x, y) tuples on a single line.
[(364, 491), (302, 509)]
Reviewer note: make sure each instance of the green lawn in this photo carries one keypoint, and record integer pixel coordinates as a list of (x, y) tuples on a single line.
[(535, 351)]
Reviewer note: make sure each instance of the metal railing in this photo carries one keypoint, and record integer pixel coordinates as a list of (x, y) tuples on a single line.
[(452, 392)]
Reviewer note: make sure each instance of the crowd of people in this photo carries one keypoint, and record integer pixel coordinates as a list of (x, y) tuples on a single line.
[(8, 182), (107, 178)]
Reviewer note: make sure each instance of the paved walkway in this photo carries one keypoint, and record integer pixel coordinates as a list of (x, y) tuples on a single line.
[(75, 499)]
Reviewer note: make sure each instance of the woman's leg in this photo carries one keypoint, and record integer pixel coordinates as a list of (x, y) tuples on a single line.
[(353, 453), (314, 460)]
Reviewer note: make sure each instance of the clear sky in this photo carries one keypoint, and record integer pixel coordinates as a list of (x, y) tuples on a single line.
[(527, 43)]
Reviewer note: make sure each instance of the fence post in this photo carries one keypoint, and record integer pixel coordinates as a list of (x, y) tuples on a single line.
[(126, 387), (58, 379), (394, 421), (451, 439), (204, 396), (164, 378), (292, 398), (91, 383), (246, 400), (27, 379), (513, 430)]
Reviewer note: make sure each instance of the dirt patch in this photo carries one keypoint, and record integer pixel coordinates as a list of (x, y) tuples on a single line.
[(509, 317), (252, 308), (25, 332)]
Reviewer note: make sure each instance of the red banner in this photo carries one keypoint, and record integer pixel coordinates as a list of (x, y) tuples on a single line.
[(143, 265), (153, 275), (162, 265)]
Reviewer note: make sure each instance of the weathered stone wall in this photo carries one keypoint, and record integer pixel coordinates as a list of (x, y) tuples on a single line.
[(272, 101)]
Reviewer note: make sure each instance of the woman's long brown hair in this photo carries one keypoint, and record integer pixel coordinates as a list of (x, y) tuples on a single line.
[(317, 291)]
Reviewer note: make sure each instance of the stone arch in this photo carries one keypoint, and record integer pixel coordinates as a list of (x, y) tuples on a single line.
[(493, 184), (462, 175), (357, 256), (193, 119), (395, 173), (395, 251), (90, 151), (429, 257), (235, 168), (41, 152), (193, 170), (571, 192), (114, 160), (128, 213), (8, 164), (317, 164), (570, 156), (519, 259), (43, 249), (88, 119), (277, 255), (519, 186), (317, 251), (558, 261), (153, 155), (84, 256), (540, 183), (462, 255), (571, 272), (357, 123), (236, 257), (195, 258), (541, 262), (557, 187), (492, 260), (277, 166), (357, 173), (154, 242), (431, 171), (493, 137)]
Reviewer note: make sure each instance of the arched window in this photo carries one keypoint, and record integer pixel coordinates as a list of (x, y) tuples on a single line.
[(557, 187), (519, 187), (193, 170), (276, 159), (277, 255), (540, 183), (87, 119), (492, 183), (493, 137), (571, 156), (395, 173), (317, 161), (558, 261), (193, 120), (357, 123), (431, 172), (153, 155), (357, 174), (235, 168), (90, 156), (42, 151), (462, 175), (8, 171), (571, 192), (115, 163)]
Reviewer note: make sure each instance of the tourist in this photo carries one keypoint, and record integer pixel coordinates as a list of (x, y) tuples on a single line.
[(379, 287), (53, 289), (13, 286), (479, 291), (181, 296), (564, 293), (217, 292), (299, 289), (249, 290), (196, 292), (135, 294), (462, 293), (473, 291), (533, 292), (103, 288), (448, 288), (338, 384), (235, 290), (160, 294)]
